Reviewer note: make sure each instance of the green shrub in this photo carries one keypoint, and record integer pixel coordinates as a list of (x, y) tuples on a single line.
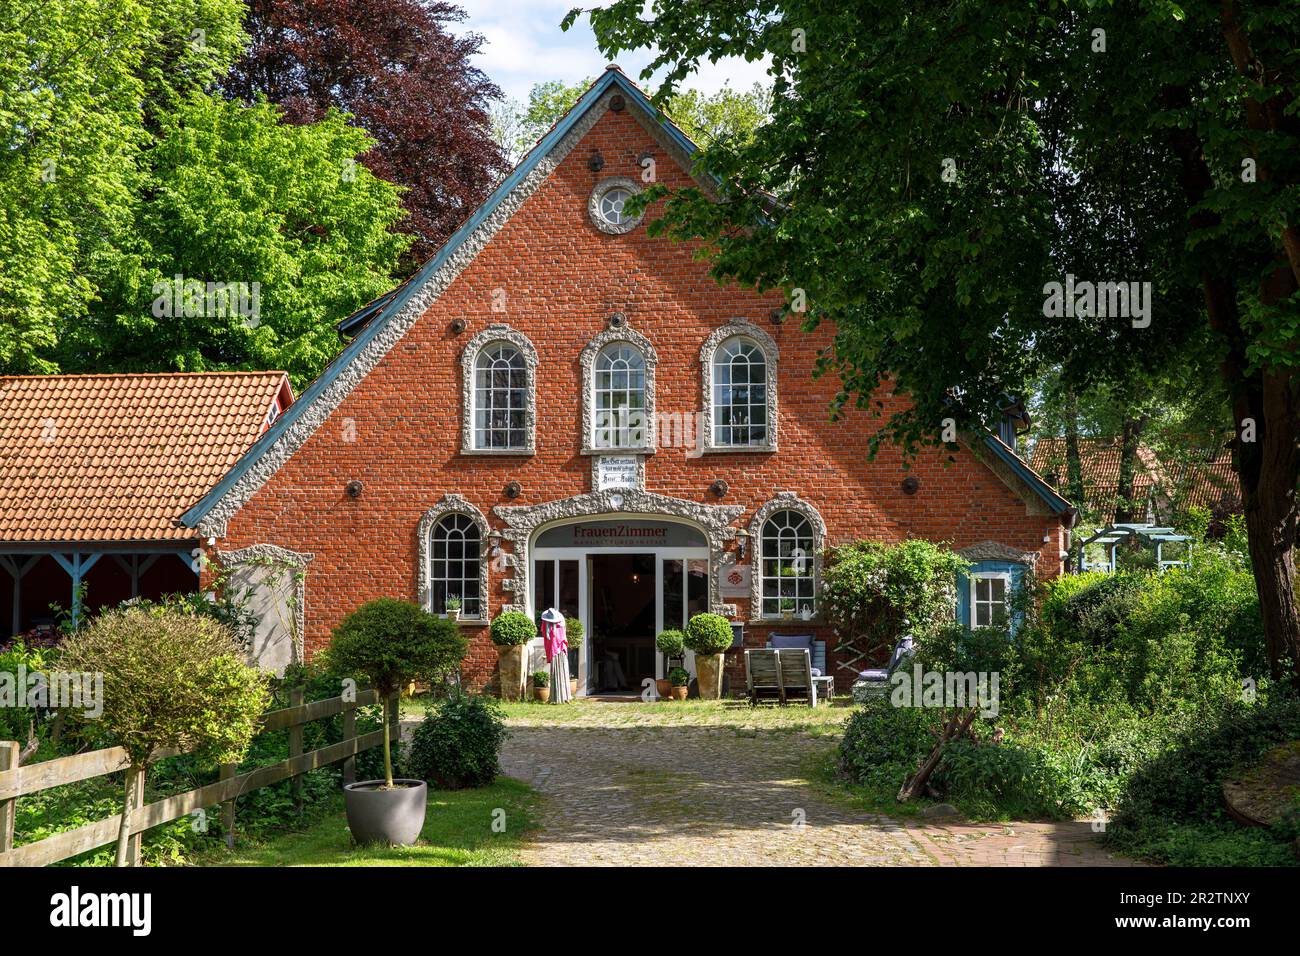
[(458, 743), (708, 634), (672, 642), (574, 632), (679, 677), (541, 679), (874, 592), (391, 643), (512, 628), (883, 745)]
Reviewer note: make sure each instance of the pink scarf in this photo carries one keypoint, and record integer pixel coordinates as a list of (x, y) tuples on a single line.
[(554, 639)]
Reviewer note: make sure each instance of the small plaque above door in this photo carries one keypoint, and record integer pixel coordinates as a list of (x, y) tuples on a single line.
[(615, 472)]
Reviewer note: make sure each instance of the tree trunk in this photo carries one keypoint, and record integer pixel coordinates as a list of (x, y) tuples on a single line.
[(1126, 505), (388, 749), (956, 725), (129, 806)]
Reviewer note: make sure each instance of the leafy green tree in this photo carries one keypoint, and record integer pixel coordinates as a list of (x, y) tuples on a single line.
[(170, 679), (704, 118), (930, 168), (231, 195), (80, 83)]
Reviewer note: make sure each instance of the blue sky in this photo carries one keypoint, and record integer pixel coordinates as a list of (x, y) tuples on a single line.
[(525, 46)]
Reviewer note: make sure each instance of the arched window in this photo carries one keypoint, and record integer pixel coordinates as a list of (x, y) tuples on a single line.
[(738, 362), (455, 564), (619, 394), (739, 394), (499, 366), (788, 552), (500, 397)]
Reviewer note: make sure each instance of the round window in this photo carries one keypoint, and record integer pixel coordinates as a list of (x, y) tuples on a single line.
[(608, 206)]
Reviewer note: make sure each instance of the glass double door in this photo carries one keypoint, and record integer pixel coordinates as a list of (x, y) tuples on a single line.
[(623, 597)]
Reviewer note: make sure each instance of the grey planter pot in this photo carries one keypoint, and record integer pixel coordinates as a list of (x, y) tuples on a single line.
[(395, 817)]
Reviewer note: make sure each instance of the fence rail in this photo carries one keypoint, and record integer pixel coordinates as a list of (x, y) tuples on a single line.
[(16, 781)]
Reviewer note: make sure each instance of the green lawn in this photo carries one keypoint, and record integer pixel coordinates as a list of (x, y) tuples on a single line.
[(734, 714), (458, 831)]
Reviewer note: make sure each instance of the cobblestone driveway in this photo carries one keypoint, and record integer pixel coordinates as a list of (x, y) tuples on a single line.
[(621, 788), (691, 796)]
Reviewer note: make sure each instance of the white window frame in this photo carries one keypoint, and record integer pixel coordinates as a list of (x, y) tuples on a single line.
[(1004, 576), (784, 501), (453, 505), (618, 429), (497, 334), (622, 335), (739, 329)]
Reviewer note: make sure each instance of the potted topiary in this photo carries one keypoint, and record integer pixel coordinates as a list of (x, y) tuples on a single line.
[(574, 632), (671, 643), (171, 678), (787, 609), (542, 686), (510, 632), (452, 605), (708, 635), (391, 642), (678, 679)]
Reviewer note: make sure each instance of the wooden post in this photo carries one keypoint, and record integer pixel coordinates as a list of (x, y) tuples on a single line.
[(8, 808), (349, 732), (133, 842), (296, 698), (228, 808)]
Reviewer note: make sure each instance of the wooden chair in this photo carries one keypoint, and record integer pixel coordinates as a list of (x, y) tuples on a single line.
[(762, 674), (794, 664)]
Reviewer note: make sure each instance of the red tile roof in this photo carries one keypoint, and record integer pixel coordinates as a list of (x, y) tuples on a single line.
[(101, 458)]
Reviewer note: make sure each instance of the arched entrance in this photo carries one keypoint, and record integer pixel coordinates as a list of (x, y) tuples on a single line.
[(626, 577)]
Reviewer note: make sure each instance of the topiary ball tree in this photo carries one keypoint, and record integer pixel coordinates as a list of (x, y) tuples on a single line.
[(574, 632), (672, 642), (391, 643), (171, 678), (708, 634), (512, 628)]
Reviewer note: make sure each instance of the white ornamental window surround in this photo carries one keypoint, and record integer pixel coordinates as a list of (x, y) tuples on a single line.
[(787, 535), (499, 368), (990, 596), (453, 560), (607, 206), (618, 407), (738, 363)]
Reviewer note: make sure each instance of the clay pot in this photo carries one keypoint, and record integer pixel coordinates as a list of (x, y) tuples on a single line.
[(679, 693), (573, 687), (542, 694), (510, 668), (663, 687)]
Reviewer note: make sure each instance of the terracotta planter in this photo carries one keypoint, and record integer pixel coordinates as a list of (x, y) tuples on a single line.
[(679, 693), (510, 669), (663, 687), (453, 616), (573, 687), (708, 673), (542, 694)]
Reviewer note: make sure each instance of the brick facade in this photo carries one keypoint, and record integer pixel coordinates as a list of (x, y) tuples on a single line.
[(398, 431)]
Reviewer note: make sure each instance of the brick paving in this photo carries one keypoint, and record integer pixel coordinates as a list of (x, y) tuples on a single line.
[(717, 796)]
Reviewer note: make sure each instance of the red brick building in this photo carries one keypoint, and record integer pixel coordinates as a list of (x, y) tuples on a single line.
[(559, 410)]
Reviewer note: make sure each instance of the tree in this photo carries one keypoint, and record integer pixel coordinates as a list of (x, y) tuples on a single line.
[(391, 643), (79, 85), (170, 679), (282, 215), (704, 118), (399, 71), (930, 170)]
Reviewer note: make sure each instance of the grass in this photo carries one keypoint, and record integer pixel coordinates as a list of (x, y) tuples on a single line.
[(458, 831), (734, 714)]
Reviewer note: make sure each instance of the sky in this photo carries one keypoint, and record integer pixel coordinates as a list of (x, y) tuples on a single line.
[(525, 45)]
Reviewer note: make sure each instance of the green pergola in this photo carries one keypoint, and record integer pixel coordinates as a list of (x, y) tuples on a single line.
[(1149, 535)]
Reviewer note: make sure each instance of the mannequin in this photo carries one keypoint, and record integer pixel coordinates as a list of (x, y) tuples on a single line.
[(556, 645)]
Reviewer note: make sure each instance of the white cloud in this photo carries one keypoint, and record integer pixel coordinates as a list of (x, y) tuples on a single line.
[(525, 45)]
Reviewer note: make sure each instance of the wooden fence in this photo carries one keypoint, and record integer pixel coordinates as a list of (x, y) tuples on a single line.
[(16, 782)]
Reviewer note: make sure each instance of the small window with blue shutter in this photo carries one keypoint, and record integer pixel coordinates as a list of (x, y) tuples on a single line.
[(985, 592)]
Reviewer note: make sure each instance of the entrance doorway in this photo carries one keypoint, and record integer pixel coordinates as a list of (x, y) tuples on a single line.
[(623, 591), (626, 577)]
